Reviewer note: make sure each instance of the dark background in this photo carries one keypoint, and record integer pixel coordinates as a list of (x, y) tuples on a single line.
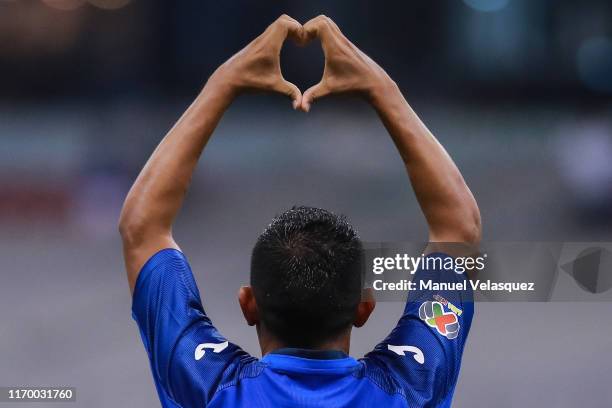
[(518, 91)]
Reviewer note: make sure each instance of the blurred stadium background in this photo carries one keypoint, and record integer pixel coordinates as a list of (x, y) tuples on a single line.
[(518, 91)]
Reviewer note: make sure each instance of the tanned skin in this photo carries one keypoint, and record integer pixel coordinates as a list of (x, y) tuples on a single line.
[(157, 194)]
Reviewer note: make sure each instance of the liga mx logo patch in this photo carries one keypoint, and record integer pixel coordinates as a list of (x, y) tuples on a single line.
[(446, 323)]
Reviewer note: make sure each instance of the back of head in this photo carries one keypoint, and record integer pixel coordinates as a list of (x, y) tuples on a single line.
[(306, 276)]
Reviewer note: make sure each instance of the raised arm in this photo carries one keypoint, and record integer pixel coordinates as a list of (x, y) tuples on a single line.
[(444, 197), (448, 204), (157, 194)]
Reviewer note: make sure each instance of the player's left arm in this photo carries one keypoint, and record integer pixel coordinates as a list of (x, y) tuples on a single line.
[(188, 355), (157, 194)]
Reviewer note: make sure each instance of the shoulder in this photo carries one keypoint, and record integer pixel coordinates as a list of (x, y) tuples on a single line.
[(204, 364), (242, 368), (417, 386), (380, 375)]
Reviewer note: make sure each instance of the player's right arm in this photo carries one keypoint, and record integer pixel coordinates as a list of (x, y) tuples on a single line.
[(423, 353), (445, 199)]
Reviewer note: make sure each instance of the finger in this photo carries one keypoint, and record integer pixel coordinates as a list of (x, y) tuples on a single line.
[(287, 88), (320, 26), (284, 27), (338, 35), (314, 92), (334, 26), (295, 30)]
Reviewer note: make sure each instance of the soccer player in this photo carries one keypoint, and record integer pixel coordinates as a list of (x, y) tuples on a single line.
[(306, 281)]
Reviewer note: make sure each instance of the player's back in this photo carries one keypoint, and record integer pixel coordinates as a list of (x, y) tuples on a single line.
[(305, 378), (193, 365)]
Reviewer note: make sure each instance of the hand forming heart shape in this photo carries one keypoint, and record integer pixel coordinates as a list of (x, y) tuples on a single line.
[(347, 69)]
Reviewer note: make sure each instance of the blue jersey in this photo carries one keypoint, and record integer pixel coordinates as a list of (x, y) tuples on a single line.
[(193, 365)]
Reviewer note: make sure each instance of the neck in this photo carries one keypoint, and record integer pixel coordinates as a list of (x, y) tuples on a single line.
[(269, 343)]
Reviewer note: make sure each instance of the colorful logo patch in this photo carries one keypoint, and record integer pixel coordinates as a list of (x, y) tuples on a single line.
[(446, 323), (448, 304)]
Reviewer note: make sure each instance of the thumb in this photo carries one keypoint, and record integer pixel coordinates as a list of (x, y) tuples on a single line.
[(314, 92), (287, 88)]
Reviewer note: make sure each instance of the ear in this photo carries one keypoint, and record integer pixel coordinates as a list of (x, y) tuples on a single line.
[(246, 298), (365, 308)]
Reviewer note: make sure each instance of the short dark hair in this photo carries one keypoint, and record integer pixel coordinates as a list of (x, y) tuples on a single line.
[(306, 276)]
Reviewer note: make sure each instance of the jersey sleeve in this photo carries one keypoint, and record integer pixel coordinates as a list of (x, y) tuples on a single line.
[(188, 356), (423, 352)]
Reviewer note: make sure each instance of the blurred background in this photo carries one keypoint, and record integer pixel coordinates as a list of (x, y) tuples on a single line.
[(520, 93)]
